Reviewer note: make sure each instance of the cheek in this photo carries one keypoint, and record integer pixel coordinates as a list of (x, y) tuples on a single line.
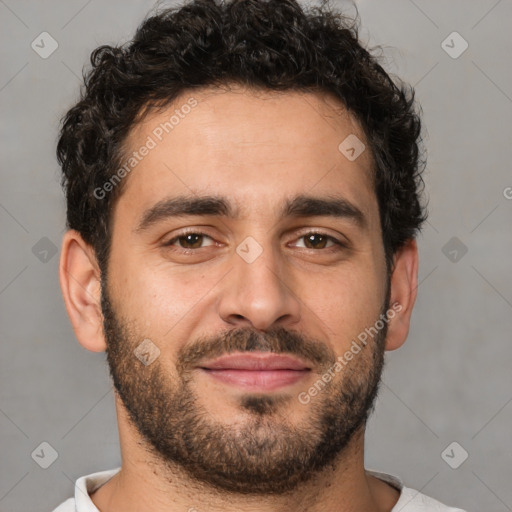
[(162, 301), (346, 302)]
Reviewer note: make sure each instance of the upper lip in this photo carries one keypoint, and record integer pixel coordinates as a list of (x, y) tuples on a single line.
[(256, 361)]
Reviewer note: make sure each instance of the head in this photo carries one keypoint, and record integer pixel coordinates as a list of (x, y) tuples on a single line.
[(242, 177)]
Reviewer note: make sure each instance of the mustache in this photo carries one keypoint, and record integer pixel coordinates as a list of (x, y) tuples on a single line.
[(277, 340)]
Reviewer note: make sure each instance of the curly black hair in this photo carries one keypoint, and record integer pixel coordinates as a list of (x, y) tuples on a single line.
[(265, 44)]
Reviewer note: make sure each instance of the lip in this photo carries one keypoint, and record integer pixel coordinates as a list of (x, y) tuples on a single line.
[(263, 361), (261, 372)]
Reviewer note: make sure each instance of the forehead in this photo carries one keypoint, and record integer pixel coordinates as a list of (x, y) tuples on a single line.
[(256, 146)]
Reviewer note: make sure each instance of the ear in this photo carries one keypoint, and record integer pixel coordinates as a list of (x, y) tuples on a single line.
[(80, 283), (404, 286)]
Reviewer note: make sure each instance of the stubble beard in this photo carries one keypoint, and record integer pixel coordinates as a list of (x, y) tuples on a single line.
[(266, 454)]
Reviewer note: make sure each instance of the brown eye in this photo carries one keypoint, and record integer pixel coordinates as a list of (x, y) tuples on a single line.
[(316, 241), (189, 241), (319, 241)]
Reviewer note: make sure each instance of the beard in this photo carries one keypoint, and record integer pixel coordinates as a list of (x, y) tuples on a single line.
[(267, 454)]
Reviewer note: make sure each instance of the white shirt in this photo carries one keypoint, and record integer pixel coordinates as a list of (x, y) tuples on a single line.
[(409, 501)]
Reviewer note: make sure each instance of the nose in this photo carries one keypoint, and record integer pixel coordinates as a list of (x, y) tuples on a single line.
[(259, 293)]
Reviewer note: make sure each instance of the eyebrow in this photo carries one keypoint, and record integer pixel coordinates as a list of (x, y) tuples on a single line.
[(298, 206)]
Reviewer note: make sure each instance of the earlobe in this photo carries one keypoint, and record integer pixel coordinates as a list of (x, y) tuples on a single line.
[(80, 281), (404, 285)]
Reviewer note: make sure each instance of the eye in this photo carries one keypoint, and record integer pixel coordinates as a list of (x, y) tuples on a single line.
[(191, 240), (319, 241)]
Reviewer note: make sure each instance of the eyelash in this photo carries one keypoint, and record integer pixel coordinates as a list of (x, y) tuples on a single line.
[(336, 242)]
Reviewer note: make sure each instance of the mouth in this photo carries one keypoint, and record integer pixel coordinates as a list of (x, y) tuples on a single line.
[(261, 371)]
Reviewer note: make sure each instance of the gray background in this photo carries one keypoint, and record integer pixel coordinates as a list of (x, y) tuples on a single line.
[(451, 381)]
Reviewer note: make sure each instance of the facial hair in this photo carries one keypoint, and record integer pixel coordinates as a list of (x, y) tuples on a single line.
[(266, 454)]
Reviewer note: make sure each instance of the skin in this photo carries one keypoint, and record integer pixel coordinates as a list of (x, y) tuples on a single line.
[(257, 149)]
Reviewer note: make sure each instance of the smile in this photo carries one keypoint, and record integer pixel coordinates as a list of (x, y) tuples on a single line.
[(257, 372)]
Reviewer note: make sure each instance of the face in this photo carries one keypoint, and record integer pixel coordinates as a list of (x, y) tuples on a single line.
[(247, 253)]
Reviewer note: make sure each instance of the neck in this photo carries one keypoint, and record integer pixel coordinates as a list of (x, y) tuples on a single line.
[(146, 483)]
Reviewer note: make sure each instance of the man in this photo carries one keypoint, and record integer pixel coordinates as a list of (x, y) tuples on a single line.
[(243, 187)]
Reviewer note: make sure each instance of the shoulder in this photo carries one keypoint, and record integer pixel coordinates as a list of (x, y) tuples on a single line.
[(411, 500), (414, 501), (66, 506), (84, 487)]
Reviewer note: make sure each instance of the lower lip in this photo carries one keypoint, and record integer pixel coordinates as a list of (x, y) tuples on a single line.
[(258, 380)]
